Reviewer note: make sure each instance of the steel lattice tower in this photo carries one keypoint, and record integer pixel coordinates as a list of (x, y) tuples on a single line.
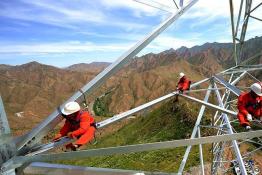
[(18, 153)]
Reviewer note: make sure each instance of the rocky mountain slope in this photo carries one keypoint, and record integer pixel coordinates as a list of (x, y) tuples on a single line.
[(36, 89)]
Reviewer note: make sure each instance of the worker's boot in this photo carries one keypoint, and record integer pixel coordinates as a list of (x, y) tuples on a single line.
[(248, 128), (68, 147), (75, 147)]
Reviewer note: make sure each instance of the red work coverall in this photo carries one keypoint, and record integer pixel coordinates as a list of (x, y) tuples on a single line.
[(183, 84), (81, 128), (249, 103)]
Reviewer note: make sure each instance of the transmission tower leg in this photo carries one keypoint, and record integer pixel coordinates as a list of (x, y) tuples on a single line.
[(230, 131)]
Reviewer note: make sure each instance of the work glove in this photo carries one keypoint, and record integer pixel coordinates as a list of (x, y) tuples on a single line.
[(71, 135), (249, 117), (57, 137)]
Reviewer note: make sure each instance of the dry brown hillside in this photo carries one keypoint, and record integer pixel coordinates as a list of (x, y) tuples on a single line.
[(36, 89)]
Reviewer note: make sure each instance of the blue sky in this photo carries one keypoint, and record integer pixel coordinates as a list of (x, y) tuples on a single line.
[(65, 32)]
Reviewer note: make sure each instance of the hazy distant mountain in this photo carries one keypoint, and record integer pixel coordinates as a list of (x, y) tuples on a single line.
[(220, 53), (92, 67)]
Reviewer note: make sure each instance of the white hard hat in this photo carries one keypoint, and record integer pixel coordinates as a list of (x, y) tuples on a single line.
[(70, 108), (181, 74), (256, 87)]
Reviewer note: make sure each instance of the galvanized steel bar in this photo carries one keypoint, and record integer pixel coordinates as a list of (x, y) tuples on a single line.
[(242, 70), (233, 30), (7, 148), (256, 7), (175, 4), (153, 6), (244, 28), (4, 126), (238, 18), (210, 105), (60, 169), (255, 18), (199, 82), (232, 88)]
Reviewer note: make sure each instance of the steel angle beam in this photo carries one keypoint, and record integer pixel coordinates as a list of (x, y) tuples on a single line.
[(45, 147), (4, 126), (20, 160), (238, 79), (255, 18), (251, 66), (38, 133), (7, 149), (240, 70), (226, 111), (233, 30), (199, 82), (232, 88), (256, 7), (244, 28), (238, 19), (156, 5), (224, 71), (59, 169)]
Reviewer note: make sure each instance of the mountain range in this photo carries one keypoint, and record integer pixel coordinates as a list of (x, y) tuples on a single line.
[(36, 89)]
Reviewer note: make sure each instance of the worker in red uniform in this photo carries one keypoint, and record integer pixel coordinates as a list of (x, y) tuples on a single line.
[(249, 105), (182, 85), (79, 125)]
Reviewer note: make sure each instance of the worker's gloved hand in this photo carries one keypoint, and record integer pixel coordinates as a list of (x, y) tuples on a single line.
[(57, 137), (249, 117), (70, 135)]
